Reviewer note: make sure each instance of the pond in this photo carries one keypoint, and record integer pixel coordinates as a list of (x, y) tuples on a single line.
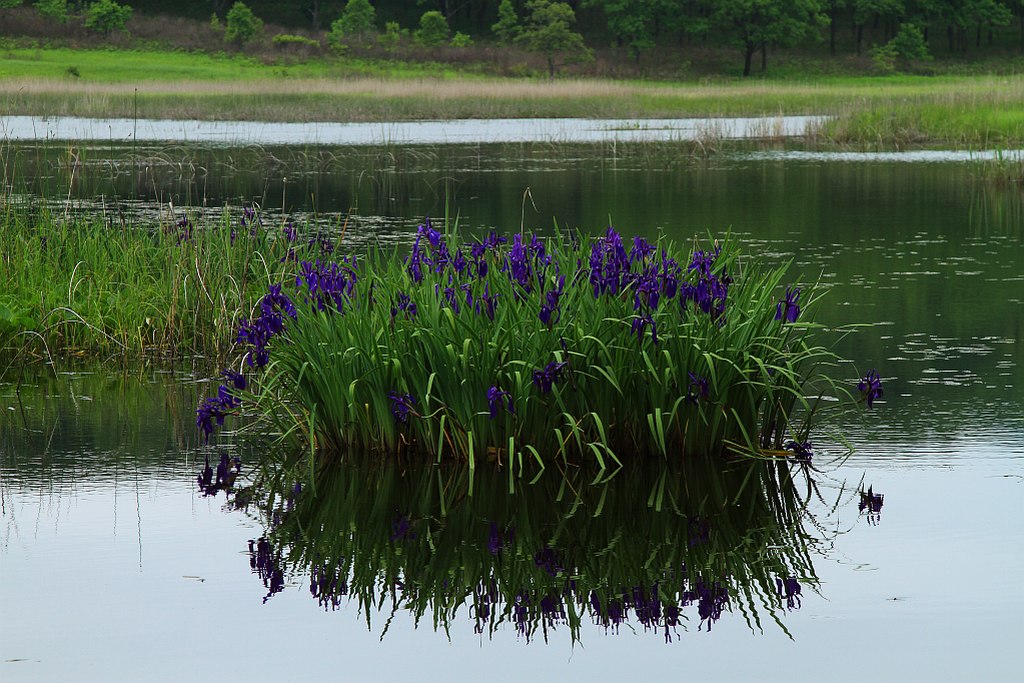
[(116, 566)]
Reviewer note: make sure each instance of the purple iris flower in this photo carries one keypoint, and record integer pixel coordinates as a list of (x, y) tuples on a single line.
[(498, 399), (401, 405), (237, 379), (290, 233), (788, 309), (870, 387), (699, 388), (546, 378), (639, 325), (404, 305), (802, 452)]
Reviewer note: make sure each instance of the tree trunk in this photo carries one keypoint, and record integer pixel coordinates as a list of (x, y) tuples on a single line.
[(551, 68), (764, 57), (748, 56), (860, 37)]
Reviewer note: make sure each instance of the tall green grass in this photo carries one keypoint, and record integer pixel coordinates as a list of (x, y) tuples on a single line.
[(644, 350), (98, 287)]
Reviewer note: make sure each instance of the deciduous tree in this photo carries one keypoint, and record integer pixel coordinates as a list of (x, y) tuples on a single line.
[(548, 31)]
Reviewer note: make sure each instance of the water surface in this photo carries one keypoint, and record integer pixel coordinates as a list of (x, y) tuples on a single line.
[(116, 567)]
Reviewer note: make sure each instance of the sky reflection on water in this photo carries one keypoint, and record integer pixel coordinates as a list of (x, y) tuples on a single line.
[(115, 567)]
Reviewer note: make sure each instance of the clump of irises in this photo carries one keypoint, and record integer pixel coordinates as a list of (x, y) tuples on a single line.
[(526, 347)]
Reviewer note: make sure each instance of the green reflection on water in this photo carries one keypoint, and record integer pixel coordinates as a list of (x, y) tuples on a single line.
[(653, 549)]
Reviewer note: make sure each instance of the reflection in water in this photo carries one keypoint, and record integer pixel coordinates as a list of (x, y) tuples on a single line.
[(661, 551)]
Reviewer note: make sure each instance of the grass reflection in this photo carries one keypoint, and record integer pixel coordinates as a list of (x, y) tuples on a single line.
[(662, 551)]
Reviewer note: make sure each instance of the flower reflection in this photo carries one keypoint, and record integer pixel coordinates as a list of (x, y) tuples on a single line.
[(542, 560)]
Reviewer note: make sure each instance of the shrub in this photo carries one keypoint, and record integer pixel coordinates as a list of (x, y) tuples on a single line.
[(357, 19), (433, 30), (241, 25), (286, 40), (53, 9), (910, 45), (461, 40), (106, 16), (392, 36), (507, 27)]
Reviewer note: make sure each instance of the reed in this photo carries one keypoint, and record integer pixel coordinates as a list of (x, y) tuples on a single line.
[(524, 349), (102, 287)]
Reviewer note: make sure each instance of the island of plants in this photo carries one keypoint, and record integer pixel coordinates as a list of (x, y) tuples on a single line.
[(523, 348)]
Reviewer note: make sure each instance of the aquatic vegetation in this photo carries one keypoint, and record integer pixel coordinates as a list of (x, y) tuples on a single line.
[(103, 287), (523, 348)]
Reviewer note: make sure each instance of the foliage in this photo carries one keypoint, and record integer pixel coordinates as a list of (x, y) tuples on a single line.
[(241, 25), (10, 4), (359, 18), (548, 31), (754, 25), (633, 22), (461, 40), (53, 9), (507, 26), (907, 47), (433, 30), (106, 16), (83, 287), (392, 36), (524, 348), (288, 40)]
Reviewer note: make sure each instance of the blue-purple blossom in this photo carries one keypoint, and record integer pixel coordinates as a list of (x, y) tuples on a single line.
[(401, 529), (237, 379), (802, 451), (550, 375), (788, 309), (488, 303), (328, 286), (405, 305), (497, 538), (550, 311), (257, 333), (699, 388), (266, 563), (290, 233), (497, 400), (548, 560), (870, 387), (870, 501), (401, 406), (789, 589), (184, 227), (639, 326), (252, 219), (212, 410)]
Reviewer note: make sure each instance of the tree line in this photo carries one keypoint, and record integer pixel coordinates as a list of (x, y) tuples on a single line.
[(566, 31)]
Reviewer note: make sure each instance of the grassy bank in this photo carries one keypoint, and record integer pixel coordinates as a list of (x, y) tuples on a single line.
[(99, 288), (890, 111)]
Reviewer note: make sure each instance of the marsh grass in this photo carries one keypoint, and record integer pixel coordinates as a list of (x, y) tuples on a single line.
[(104, 287), (530, 351)]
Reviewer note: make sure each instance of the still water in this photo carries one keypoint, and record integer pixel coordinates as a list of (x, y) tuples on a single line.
[(114, 566)]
